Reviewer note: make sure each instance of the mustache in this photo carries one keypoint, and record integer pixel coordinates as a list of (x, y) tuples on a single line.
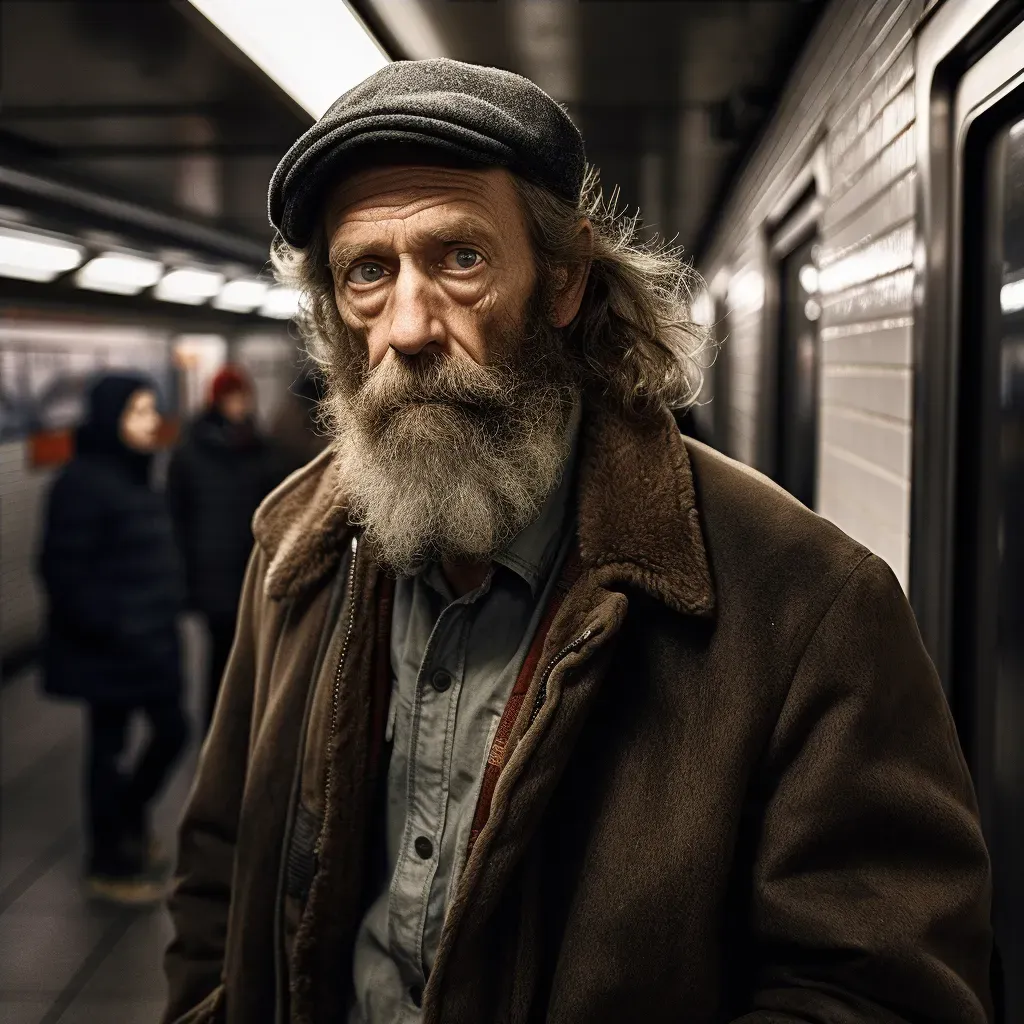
[(434, 379)]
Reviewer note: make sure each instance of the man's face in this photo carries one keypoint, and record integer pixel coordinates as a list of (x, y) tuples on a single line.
[(451, 389), (429, 259)]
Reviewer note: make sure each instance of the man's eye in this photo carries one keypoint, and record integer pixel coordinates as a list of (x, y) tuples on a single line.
[(464, 259), (366, 273)]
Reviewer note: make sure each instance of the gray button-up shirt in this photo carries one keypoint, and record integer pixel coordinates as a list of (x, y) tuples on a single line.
[(454, 663)]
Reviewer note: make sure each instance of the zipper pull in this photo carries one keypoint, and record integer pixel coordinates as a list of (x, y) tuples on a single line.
[(542, 693)]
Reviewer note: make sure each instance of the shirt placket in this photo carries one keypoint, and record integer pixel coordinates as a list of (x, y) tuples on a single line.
[(432, 733)]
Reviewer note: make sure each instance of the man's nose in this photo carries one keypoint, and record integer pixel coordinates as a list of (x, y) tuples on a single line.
[(414, 323)]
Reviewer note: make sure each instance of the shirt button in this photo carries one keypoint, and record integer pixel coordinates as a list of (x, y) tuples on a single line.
[(424, 847), (441, 680), (416, 995)]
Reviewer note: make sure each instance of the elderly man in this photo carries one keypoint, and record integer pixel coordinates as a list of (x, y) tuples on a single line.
[(538, 710)]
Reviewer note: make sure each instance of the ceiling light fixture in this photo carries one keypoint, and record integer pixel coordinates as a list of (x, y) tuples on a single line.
[(315, 50), (1011, 297), (119, 274), (188, 285), (242, 295), (32, 257), (281, 303)]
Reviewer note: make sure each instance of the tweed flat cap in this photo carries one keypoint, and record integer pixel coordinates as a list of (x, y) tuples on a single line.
[(471, 113)]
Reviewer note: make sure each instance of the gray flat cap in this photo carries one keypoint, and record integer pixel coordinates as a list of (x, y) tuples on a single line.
[(470, 113)]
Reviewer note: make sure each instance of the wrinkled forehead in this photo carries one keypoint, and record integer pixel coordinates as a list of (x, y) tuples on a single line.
[(393, 191)]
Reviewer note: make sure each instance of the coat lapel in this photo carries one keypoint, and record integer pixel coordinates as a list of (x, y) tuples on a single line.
[(639, 526)]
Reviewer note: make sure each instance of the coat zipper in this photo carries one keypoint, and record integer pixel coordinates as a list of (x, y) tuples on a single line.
[(335, 699), (542, 693), (538, 703)]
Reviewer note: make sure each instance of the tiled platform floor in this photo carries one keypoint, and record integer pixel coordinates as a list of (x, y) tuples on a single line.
[(62, 958)]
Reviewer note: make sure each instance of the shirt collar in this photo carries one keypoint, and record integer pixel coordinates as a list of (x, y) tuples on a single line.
[(530, 553)]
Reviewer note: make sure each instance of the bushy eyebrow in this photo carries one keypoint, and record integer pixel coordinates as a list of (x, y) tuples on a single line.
[(466, 229)]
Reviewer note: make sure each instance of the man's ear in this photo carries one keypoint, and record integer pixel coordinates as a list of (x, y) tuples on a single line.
[(567, 301)]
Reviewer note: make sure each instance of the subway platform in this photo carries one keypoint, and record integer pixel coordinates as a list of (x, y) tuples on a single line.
[(64, 958)]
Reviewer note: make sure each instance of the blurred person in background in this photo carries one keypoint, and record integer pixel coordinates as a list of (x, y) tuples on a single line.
[(112, 578), (217, 477), (296, 431)]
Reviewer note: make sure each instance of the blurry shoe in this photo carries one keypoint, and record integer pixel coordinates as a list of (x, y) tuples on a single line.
[(126, 891)]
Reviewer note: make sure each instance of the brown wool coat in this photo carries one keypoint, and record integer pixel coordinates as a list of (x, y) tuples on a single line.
[(742, 800)]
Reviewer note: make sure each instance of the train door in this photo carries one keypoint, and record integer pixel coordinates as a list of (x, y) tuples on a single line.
[(988, 530), (797, 401), (792, 361)]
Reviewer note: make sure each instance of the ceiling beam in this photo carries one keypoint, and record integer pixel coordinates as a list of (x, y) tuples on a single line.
[(102, 111), (123, 211)]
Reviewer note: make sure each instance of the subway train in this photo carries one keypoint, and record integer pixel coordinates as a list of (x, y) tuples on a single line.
[(855, 208), (867, 278)]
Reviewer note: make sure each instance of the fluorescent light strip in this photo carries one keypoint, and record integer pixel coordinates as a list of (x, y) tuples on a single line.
[(314, 49), (189, 286), (242, 295), (119, 274), (31, 257), (281, 303)]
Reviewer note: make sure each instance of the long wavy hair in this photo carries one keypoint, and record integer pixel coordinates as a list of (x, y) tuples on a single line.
[(633, 341)]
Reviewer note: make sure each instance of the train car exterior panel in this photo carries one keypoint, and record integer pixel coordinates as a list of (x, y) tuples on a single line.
[(896, 116), (852, 96), (883, 391), (895, 160), (858, 495), (894, 74), (875, 343), (893, 207), (888, 296), (885, 442)]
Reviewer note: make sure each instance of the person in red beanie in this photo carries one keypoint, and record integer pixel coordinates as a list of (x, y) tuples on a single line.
[(217, 478)]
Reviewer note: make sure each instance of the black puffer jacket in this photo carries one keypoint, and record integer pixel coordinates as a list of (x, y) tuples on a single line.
[(216, 480), (110, 568)]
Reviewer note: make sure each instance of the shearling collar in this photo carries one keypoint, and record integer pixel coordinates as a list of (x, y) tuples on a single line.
[(637, 515)]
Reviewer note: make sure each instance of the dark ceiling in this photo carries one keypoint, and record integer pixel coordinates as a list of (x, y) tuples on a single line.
[(143, 100), (146, 101)]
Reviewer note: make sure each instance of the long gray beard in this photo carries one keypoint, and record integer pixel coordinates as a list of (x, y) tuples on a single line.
[(458, 477)]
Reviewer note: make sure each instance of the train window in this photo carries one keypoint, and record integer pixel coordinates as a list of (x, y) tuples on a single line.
[(988, 561), (797, 394)]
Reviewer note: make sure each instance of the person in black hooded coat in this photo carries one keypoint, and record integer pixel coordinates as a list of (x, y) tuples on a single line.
[(111, 573)]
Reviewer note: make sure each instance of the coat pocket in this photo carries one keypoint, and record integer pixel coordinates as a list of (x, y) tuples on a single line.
[(301, 865)]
